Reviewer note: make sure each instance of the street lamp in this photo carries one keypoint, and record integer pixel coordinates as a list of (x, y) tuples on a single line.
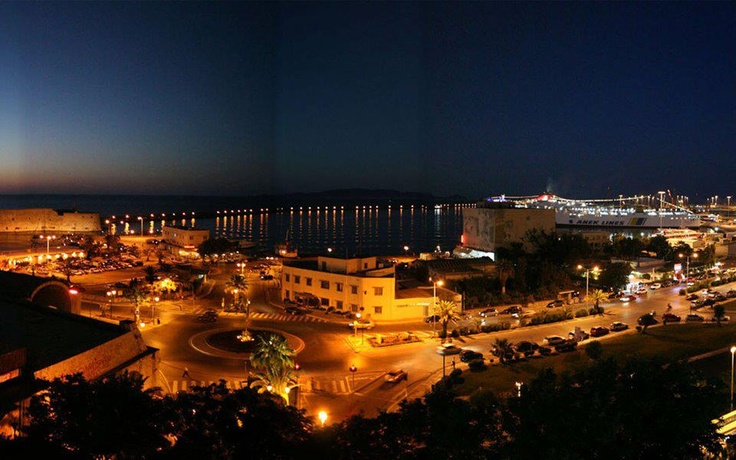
[(661, 204), (587, 281), (733, 351), (48, 239), (353, 370), (434, 303), (687, 266), (241, 266), (355, 323), (322, 417), (141, 219), (153, 308)]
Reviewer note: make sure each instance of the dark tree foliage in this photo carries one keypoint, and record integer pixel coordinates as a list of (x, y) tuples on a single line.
[(659, 245), (104, 418), (215, 423), (626, 248), (213, 246), (614, 275), (615, 410), (563, 248)]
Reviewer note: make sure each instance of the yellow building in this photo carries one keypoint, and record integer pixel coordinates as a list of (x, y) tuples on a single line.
[(357, 285)]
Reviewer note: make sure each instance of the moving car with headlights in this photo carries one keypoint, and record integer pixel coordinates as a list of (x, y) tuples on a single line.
[(361, 324), (627, 298), (396, 375), (448, 349)]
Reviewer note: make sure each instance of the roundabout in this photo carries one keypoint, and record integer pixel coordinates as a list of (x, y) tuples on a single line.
[(225, 342)]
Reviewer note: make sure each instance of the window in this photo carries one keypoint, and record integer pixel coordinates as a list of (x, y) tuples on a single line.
[(378, 290), (338, 286), (287, 277), (354, 307), (378, 310), (324, 302), (286, 294), (324, 284), (339, 305), (297, 279), (309, 281), (353, 289)]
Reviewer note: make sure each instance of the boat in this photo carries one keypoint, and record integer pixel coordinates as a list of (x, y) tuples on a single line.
[(243, 243), (629, 212), (286, 250)]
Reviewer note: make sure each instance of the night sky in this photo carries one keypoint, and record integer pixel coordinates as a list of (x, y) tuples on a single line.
[(583, 99)]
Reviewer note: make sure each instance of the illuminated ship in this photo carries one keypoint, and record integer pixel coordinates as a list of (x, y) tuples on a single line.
[(631, 212)]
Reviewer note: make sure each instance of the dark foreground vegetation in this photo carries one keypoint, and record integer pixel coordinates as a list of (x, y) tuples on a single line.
[(644, 408)]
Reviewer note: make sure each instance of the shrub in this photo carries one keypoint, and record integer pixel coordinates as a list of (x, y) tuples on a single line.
[(455, 334), (476, 365), (683, 291), (594, 349), (581, 313)]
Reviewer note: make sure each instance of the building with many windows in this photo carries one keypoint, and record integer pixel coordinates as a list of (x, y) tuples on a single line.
[(184, 241), (357, 285)]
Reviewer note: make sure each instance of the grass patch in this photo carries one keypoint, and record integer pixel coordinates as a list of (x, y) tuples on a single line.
[(677, 341)]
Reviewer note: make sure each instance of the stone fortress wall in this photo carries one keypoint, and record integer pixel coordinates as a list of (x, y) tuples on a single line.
[(43, 220)]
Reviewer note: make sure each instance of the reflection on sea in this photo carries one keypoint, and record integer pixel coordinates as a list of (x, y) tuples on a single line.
[(349, 230)]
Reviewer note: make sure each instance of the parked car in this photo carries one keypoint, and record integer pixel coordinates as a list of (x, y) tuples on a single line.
[(469, 355), (671, 318), (640, 321), (709, 302), (598, 331), (294, 311), (627, 298), (396, 375), (618, 326), (692, 317), (567, 346), (553, 340), (526, 347), (731, 293), (692, 296), (641, 290), (555, 303), (489, 312), (361, 324), (448, 349), (432, 319), (655, 286), (513, 309), (578, 335)]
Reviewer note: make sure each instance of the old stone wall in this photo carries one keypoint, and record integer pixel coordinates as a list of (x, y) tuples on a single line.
[(42, 220)]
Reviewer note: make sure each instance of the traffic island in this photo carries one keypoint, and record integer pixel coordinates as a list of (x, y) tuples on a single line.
[(387, 340)]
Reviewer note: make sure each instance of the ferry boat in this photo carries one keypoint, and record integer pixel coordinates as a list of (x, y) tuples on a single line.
[(608, 213)]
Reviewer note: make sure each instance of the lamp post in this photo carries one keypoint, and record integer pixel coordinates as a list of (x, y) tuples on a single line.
[(141, 219), (733, 351), (322, 417), (434, 304), (48, 239), (661, 204), (353, 370), (153, 309), (687, 266), (587, 281), (241, 266), (355, 324)]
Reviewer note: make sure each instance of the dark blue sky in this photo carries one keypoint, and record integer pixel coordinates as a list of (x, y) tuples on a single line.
[(586, 99)]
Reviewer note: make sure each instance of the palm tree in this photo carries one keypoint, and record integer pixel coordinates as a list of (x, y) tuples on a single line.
[(272, 351), (505, 269), (139, 298), (150, 272), (447, 310), (597, 297), (237, 284), (274, 359), (502, 347)]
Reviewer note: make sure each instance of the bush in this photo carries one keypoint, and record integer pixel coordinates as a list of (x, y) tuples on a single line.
[(581, 313), (476, 365), (455, 334), (683, 291), (594, 350)]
